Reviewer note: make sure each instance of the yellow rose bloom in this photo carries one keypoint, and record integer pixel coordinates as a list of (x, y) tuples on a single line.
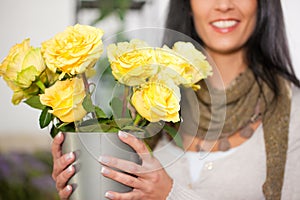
[(134, 62), (157, 101), (131, 62), (65, 98), (73, 50), (21, 68), (173, 65), (49, 77), (198, 67)]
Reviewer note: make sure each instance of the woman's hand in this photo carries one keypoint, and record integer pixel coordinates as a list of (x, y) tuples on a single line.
[(62, 168), (151, 181)]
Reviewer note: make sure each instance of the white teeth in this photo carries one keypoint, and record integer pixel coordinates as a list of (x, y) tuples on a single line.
[(224, 24)]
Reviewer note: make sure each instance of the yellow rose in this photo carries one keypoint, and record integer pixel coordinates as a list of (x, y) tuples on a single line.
[(131, 62), (49, 77), (65, 98), (172, 65), (157, 101), (198, 67), (115, 51), (73, 50), (21, 68)]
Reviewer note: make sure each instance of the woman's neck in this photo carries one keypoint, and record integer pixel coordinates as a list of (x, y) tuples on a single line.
[(229, 66)]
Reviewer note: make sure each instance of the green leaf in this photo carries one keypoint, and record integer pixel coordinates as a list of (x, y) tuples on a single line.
[(174, 134), (117, 108), (35, 102), (90, 128), (100, 113), (88, 104), (112, 130), (88, 122), (108, 127), (122, 122), (132, 129), (45, 117), (103, 125), (54, 131), (67, 127)]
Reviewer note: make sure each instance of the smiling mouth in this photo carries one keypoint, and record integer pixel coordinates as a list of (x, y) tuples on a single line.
[(223, 24)]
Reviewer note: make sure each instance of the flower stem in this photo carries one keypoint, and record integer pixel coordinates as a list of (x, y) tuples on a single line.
[(124, 106), (137, 119), (148, 148), (41, 85), (86, 84), (87, 91)]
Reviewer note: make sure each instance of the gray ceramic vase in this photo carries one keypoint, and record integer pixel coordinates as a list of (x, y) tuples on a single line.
[(88, 183)]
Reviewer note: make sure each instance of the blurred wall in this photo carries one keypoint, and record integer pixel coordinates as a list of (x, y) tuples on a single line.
[(292, 15), (41, 19), (38, 20)]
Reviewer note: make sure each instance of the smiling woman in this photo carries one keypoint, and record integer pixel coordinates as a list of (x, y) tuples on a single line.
[(239, 36), (258, 89), (229, 23), (256, 154)]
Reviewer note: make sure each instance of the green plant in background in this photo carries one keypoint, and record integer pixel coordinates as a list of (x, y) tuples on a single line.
[(117, 7), (108, 7)]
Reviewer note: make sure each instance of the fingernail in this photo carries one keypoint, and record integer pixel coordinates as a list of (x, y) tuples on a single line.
[(59, 135), (70, 169), (122, 134), (109, 195), (70, 156), (105, 171), (68, 188), (104, 159)]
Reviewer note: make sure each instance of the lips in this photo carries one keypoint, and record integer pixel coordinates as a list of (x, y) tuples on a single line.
[(224, 26)]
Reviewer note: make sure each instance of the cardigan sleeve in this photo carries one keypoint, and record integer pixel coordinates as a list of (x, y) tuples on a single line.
[(291, 182)]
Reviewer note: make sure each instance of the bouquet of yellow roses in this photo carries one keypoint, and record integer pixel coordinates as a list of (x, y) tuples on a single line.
[(54, 79)]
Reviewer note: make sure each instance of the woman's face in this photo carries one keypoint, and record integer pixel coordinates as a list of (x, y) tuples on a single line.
[(224, 25)]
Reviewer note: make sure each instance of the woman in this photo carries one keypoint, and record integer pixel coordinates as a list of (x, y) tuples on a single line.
[(257, 154)]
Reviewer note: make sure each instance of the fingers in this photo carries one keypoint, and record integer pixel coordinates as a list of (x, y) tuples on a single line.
[(61, 163), (134, 195), (63, 178), (65, 193), (138, 145), (56, 146), (122, 178), (123, 165), (61, 174)]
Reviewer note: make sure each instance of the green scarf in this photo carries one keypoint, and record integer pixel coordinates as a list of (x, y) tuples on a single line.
[(223, 113)]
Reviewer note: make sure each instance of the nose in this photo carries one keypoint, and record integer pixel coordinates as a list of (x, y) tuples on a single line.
[(224, 5)]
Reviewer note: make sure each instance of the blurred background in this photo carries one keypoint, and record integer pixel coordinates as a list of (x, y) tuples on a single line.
[(24, 148)]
